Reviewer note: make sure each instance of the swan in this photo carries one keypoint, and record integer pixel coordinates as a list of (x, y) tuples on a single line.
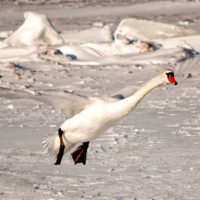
[(90, 116)]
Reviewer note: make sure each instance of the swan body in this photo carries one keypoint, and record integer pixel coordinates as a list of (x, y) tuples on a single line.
[(92, 116)]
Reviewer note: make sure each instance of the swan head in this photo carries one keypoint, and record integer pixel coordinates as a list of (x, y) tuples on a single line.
[(168, 76)]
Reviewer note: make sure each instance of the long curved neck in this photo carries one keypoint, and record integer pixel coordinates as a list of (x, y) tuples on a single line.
[(127, 105)]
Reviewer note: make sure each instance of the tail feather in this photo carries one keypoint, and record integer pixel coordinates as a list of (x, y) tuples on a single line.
[(51, 144)]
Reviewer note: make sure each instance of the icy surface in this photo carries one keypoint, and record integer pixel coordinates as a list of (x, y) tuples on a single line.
[(134, 29), (153, 153)]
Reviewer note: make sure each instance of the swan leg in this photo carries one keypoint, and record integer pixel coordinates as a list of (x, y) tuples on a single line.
[(62, 147), (80, 154)]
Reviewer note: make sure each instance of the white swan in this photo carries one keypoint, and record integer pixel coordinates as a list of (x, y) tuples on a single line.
[(91, 115)]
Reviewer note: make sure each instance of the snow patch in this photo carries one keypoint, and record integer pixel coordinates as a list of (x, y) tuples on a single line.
[(36, 30)]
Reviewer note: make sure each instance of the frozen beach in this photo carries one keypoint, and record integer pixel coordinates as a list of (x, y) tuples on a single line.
[(98, 49)]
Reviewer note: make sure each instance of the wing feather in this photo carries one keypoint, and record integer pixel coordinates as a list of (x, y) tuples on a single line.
[(59, 99)]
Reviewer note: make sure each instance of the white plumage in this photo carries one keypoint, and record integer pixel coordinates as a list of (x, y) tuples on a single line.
[(91, 116)]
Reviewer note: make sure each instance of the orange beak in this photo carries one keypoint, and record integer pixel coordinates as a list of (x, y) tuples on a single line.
[(172, 80)]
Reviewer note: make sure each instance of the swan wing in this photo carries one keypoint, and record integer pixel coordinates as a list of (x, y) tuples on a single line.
[(71, 103)]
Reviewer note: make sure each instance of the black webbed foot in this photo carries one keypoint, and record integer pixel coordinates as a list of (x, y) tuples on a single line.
[(80, 154)]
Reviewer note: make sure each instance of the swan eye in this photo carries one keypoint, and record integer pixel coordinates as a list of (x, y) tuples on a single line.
[(171, 79)]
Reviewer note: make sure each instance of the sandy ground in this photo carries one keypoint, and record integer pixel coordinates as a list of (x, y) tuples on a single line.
[(152, 154)]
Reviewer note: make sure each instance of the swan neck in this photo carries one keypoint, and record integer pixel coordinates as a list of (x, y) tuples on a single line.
[(131, 102), (144, 90)]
